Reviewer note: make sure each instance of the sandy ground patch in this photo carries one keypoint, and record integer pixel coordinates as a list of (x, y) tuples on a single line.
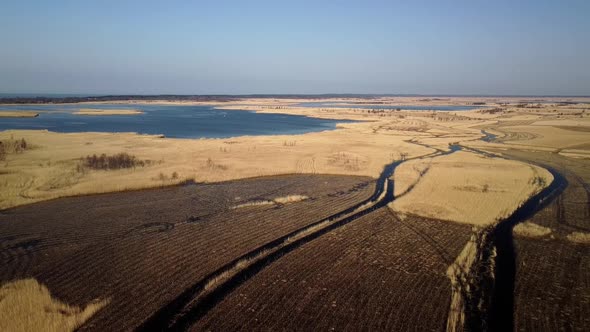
[(26, 305), (465, 187), (96, 112), (18, 114)]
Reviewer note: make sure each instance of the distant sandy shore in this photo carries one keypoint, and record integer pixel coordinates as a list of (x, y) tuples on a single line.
[(98, 112), (18, 114)]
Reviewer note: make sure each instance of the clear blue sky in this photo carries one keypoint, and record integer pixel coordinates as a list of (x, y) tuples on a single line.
[(238, 47)]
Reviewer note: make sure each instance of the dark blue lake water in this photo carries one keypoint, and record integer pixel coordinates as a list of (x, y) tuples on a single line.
[(389, 107), (171, 121)]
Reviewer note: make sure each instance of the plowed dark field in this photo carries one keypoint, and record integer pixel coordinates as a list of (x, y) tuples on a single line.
[(141, 249), (378, 273)]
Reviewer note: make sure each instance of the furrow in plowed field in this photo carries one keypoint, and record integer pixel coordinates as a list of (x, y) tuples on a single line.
[(399, 281), (552, 291), (141, 249)]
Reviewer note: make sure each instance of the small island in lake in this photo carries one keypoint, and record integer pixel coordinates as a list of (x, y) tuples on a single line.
[(91, 111), (18, 114)]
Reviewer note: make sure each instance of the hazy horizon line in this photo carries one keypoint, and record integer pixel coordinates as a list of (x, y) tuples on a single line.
[(352, 94)]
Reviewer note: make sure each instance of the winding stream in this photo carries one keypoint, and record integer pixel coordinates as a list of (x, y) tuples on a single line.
[(499, 316), (197, 300), (489, 137)]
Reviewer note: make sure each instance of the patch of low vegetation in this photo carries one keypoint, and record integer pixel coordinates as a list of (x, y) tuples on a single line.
[(345, 160), (579, 237), (290, 199), (212, 165), (275, 201), (289, 143), (254, 203), (532, 230), (163, 177), (118, 161), (528, 105), (491, 110), (12, 146), (538, 181)]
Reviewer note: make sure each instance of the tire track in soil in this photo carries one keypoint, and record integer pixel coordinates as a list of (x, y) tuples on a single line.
[(154, 227), (560, 210), (586, 187), (197, 300)]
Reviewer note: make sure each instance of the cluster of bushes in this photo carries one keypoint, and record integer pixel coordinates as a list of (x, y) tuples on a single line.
[(164, 177), (212, 165), (538, 181), (526, 105), (12, 146), (491, 110), (289, 143), (379, 111), (118, 161)]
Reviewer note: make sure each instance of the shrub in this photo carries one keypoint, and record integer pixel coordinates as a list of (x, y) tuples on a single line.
[(12, 146), (491, 110), (538, 181), (214, 166), (289, 143), (118, 161), (485, 188)]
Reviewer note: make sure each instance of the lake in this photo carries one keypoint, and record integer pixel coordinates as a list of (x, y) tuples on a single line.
[(389, 107), (169, 120)]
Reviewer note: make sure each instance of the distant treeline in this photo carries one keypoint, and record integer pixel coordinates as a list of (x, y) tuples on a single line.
[(221, 98), (68, 100), (202, 98)]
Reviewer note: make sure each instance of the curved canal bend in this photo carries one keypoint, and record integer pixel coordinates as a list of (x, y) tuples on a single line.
[(193, 303), (501, 311)]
